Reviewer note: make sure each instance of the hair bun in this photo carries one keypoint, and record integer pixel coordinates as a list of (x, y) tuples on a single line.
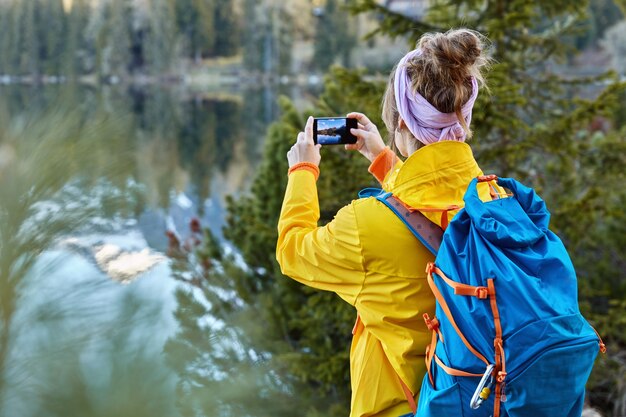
[(455, 51)]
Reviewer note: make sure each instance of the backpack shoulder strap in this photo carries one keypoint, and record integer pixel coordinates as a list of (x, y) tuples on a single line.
[(423, 229), (427, 232)]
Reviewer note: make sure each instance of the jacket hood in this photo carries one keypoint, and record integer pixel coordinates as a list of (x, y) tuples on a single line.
[(436, 176)]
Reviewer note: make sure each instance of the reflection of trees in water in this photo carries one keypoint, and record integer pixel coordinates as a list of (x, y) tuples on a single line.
[(57, 175), (179, 138), (260, 108), (199, 134), (208, 137)]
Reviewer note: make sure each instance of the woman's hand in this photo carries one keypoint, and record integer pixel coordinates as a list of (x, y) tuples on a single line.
[(368, 142), (305, 150)]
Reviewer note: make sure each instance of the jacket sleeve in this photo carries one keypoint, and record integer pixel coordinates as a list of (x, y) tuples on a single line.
[(327, 258), (385, 168)]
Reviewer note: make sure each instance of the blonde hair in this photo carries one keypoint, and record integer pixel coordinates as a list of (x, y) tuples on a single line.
[(441, 74)]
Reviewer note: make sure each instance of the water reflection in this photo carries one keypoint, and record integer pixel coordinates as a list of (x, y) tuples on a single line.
[(90, 180)]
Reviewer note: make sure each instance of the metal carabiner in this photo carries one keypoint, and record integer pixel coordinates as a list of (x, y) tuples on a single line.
[(483, 390)]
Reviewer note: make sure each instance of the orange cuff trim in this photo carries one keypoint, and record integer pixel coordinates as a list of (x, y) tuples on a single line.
[(308, 166), (381, 165)]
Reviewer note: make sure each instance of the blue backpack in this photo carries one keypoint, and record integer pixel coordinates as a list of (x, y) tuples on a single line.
[(508, 338)]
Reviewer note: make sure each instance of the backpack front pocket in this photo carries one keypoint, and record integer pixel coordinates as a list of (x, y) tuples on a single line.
[(439, 403), (553, 383)]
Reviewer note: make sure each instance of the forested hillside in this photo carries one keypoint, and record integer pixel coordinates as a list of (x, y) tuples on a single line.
[(121, 38)]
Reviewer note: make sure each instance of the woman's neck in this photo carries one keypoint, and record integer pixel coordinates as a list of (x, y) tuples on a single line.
[(413, 145)]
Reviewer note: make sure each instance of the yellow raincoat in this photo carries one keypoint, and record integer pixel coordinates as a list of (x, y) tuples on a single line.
[(371, 260)]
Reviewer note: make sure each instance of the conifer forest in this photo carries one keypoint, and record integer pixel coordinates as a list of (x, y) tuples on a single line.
[(143, 168)]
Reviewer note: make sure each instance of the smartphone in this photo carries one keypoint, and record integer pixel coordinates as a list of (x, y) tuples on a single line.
[(333, 130)]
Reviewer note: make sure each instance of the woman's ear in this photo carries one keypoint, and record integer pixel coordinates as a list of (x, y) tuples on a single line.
[(401, 124)]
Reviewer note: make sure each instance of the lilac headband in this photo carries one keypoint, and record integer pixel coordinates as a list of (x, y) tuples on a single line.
[(424, 121)]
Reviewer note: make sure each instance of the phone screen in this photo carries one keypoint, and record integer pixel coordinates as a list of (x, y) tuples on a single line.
[(333, 130)]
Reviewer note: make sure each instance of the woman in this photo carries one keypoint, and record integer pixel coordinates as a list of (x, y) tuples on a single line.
[(366, 254)]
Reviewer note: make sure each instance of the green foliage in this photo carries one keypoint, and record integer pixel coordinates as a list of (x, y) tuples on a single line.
[(116, 39), (76, 48), (223, 350), (252, 35)]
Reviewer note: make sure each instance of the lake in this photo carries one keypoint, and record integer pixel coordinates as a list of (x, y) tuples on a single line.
[(98, 186)]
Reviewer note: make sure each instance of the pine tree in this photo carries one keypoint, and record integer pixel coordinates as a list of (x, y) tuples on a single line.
[(40, 141), (75, 53), (267, 38), (110, 27), (52, 32), (324, 54), (252, 36), (6, 39), (27, 39), (161, 41), (227, 29), (194, 20), (602, 14)]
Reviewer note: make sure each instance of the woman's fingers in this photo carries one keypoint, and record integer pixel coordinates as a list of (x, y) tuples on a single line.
[(360, 133), (308, 130), (305, 150), (361, 118), (353, 146)]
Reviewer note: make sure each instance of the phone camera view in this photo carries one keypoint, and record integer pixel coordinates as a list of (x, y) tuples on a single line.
[(334, 130)]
